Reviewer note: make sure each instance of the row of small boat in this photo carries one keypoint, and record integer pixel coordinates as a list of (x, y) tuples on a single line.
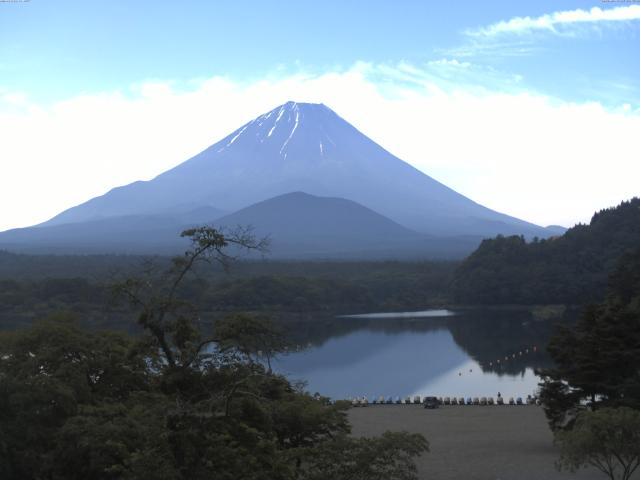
[(418, 400)]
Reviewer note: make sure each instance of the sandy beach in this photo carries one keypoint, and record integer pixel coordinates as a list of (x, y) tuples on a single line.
[(474, 442)]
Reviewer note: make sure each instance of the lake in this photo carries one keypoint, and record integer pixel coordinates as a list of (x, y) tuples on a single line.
[(433, 352)]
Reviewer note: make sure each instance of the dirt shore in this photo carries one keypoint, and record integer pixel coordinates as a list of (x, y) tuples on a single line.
[(474, 442)]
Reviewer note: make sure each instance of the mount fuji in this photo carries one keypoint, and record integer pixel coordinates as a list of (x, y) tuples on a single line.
[(297, 147)]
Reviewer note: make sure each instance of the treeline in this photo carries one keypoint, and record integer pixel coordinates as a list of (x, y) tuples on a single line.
[(22, 302), (380, 290), (101, 268), (19, 266), (571, 269), (260, 286)]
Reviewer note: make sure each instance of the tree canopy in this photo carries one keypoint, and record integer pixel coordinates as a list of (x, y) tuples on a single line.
[(597, 362), (174, 402), (570, 269), (607, 439)]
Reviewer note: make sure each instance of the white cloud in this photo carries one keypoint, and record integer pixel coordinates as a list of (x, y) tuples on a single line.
[(445, 62), (553, 22), (14, 98), (524, 154)]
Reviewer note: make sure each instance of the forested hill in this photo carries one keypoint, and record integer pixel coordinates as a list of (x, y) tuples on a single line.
[(571, 269)]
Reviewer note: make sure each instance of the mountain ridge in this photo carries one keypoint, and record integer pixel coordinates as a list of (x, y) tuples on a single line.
[(304, 147), (568, 269), (299, 225)]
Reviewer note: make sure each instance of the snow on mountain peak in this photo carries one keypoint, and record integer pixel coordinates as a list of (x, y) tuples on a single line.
[(279, 126)]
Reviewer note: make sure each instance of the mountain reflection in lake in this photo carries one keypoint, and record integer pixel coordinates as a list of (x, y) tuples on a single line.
[(470, 353)]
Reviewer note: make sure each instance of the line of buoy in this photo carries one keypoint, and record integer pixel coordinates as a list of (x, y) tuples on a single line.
[(514, 355), (418, 400)]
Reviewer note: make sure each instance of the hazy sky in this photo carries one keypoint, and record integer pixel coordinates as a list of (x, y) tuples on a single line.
[(530, 108)]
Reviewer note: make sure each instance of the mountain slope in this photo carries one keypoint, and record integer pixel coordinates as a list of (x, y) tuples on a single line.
[(303, 147), (299, 215), (572, 268), (134, 234), (299, 226), (131, 234), (307, 226)]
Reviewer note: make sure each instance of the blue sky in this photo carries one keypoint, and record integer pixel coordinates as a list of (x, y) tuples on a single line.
[(57, 49), (71, 66)]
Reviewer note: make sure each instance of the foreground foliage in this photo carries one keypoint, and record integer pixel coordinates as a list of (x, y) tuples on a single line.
[(607, 439), (173, 403), (389, 456), (598, 360), (592, 396)]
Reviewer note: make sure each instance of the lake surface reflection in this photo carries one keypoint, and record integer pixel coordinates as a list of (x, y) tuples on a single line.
[(441, 353), (420, 314)]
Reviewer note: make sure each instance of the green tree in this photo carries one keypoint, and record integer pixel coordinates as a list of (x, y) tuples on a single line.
[(172, 323), (389, 457), (253, 336), (50, 375), (569, 269), (173, 403), (597, 362), (607, 439)]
